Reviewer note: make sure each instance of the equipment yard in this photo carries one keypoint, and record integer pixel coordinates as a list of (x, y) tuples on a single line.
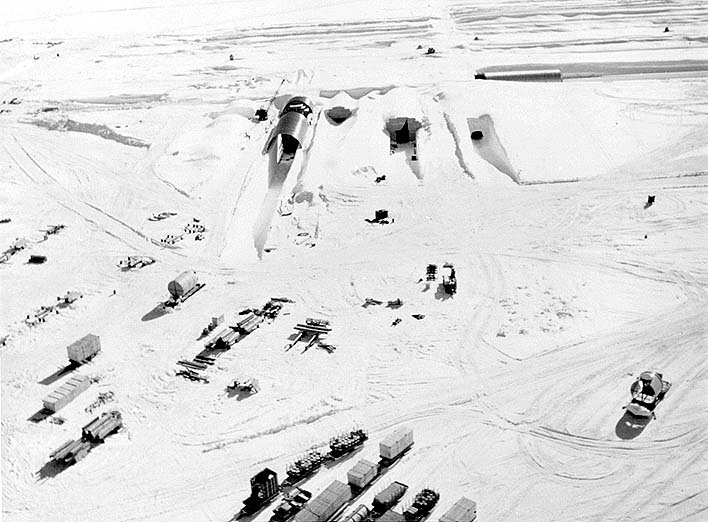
[(490, 220)]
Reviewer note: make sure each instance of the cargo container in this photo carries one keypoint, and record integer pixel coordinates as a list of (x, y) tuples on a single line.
[(396, 444), (362, 473), (388, 497), (183, 284), (83, 349), (464, 510), (66, 393), (392, 516), (264, 488), (360, 514), (100, 427), (326, 504)]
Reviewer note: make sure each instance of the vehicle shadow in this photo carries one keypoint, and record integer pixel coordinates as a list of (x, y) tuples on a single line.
[(59, 373), (40, 415), (157, 312), (50, 470), (441, 294), (630, 427)]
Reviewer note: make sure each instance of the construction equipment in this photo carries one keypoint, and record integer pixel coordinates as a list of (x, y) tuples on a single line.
[(304, 466), (431, 272), (264, 488), (247, 385), (647, 391), (215, 321), (161, 216), (423, 503), (312, 328), (131, 262), (291, 504), (449, 280), (100, 427), (36, 259), (346, 443), (380, 217)]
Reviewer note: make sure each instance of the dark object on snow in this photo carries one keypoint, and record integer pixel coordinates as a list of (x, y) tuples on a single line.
[(419, 47), (261, 114), (666, 29), (477, 135), (423, 503), (476, 38), (396, 321), (264, 487), (396, 303), (381, 217), (231, 57), (647, 392), (15, 101), (418, 316), (650, 201), (339, 114), (381, 178), (5, 220), (449, 280), (430, 50), (37, 259), (431, 272)]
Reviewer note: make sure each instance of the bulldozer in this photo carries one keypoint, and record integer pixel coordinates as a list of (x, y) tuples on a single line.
[(648, 390)]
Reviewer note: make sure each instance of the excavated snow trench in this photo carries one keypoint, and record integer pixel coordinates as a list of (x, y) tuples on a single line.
[(403, 133), (488, 145)]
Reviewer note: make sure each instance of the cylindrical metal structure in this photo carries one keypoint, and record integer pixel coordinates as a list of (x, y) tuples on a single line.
[(360, 514), (182, 284), (538, 75)]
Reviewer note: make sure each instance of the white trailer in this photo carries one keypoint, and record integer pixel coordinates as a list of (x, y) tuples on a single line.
[(396, 443), (66, 393), (362, 474), (83, 349)]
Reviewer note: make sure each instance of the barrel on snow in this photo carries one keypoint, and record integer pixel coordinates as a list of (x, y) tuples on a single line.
[(182, 284)]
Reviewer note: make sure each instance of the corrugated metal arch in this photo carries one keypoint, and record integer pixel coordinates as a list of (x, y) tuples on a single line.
[(291, 123)]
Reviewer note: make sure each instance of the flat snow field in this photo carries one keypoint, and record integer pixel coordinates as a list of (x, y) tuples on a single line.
[(568, 285)]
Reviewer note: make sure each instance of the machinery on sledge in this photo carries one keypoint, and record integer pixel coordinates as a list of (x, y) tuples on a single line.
[(648, 390), (449, 280)]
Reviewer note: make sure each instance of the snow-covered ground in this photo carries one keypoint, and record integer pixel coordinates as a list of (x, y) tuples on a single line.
[(568, 286)]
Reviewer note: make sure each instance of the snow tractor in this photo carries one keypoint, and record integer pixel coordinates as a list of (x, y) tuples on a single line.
[(647, 392), (449, 280)]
